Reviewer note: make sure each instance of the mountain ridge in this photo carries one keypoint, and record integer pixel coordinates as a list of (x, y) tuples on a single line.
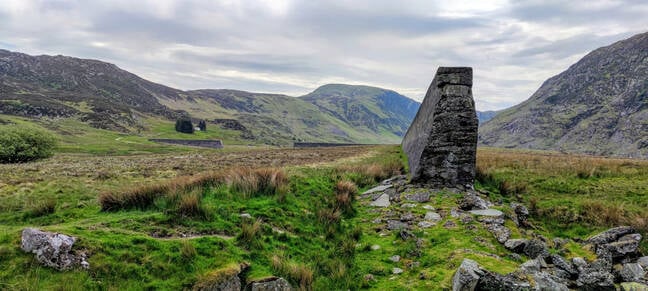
[(598, 106)]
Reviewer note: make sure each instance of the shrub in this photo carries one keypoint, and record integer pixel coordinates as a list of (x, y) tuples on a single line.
[(184, 125), (19, 144)]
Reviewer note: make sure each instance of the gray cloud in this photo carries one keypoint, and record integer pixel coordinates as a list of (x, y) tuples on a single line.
[(293, 46)]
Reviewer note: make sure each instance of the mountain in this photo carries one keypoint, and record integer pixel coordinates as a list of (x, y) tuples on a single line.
[(597, 106), (371, 108), (58, 86), (484, 116), (104, 96)]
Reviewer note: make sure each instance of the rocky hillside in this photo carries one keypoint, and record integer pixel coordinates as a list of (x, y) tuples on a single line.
[(107, 97), (597, 106), (58, 86), (367, 107)]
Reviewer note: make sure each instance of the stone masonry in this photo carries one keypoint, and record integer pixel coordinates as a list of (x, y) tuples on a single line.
[(441, 143)]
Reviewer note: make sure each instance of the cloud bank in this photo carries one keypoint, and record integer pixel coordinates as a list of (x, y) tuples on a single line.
[(294, 46)]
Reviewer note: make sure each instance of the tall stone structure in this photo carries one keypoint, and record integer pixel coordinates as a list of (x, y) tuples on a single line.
[(441, 142)]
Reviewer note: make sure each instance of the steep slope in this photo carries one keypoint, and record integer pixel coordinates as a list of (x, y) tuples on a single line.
[(597, 106), (59, 86), (378, 110), (484, 116)]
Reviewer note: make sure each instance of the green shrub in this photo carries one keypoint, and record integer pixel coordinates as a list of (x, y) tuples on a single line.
[(19, 144)]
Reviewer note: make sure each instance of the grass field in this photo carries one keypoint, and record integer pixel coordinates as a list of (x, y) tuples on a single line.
[(306, 224)]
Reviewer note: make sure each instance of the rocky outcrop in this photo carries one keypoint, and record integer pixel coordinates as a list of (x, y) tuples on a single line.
[(270, 284), (441, 142), (52, 249)]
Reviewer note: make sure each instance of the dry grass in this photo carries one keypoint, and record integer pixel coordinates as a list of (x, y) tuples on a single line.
[(42, 208), (365, 175), (299, 273), (250, 232), (265, 181), (345, 192), (190, 206)]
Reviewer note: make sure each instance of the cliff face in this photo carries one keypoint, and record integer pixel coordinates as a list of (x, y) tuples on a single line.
[(598, 106)]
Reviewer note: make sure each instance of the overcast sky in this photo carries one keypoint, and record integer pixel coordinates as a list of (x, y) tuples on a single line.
[(292, 46)]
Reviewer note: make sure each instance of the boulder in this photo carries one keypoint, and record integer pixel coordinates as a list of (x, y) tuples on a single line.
[(611, 235), (467, 276), (536, 248), (597, 280), (52, 249), (643, 261), (407, 217), (501, 233), (432, 216), (633, 286), (516, 245), (631, 272), (421, 196), (494, 281), (271, 284), (547, 282), (488, 212), (521, 214), (471, 201), (397, 271), (563, 264), (377, 189), (381, 201), (396, 225)]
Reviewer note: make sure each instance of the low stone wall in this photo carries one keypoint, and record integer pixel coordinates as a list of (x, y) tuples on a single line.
[(323, 144), (205, 143)]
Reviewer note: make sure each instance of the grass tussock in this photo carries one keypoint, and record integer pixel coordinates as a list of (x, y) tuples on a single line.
[(187, 250), (298, 273), (250, 234), (369, 174), (345, 192), (191, 206), (249, 182), (42, 208)]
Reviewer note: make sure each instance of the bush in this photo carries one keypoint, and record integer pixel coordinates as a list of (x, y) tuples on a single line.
[(184, 125), (19, 144)]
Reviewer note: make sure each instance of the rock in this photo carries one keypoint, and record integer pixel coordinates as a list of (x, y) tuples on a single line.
[(52, 249), (521, 214), (466, 219), (487, 212), (381, 201), (467, 276), (428, 207), (516, 245), (421, 196), (376, 221), (407, 217), (560, 242), (369, 278), (376, 189), (396, 179), (441, 142), (619, 249), (426, 224), (547, 282), (493, 281), (633, 286), (563, 264), (408, 205), (501, 233), (595, 281), (449, 224), (611, 235), (579, 263), (631, 272), (396, 225), (395, 258), (245, 216), (643, 261), (375, 247), (531, 266), (432, 216), (413, 265), (271, 284), (397, 271), (406, 234), (536, 248), (471, 201), (455, 213), (491, 219)]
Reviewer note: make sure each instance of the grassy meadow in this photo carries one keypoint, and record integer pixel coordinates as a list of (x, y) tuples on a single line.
[(178, 217)]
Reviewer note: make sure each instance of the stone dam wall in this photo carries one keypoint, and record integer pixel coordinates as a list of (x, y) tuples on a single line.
[(441, 142), (205, 143)]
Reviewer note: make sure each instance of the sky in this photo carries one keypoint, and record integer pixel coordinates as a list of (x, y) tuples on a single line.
[(294, 46)]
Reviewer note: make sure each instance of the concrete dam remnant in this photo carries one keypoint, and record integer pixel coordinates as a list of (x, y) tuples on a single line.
[(441, 142)]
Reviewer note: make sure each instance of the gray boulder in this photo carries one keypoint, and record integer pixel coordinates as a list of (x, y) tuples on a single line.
[(494, 281), (547, 282), (421, 196), (521, 214), (52, 249), (501, 233), (633, 286), (471, 201), (516, 245), (271, 284), (643, 261), (632, 272), (611, 235), (381, 201), (432, 216), (395, 225), (563, 264), (597, 280), (467, 276), (536, 248)]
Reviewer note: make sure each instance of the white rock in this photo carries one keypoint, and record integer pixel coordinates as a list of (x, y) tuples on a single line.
[(382, 201), (397, 271), (487, 212)]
